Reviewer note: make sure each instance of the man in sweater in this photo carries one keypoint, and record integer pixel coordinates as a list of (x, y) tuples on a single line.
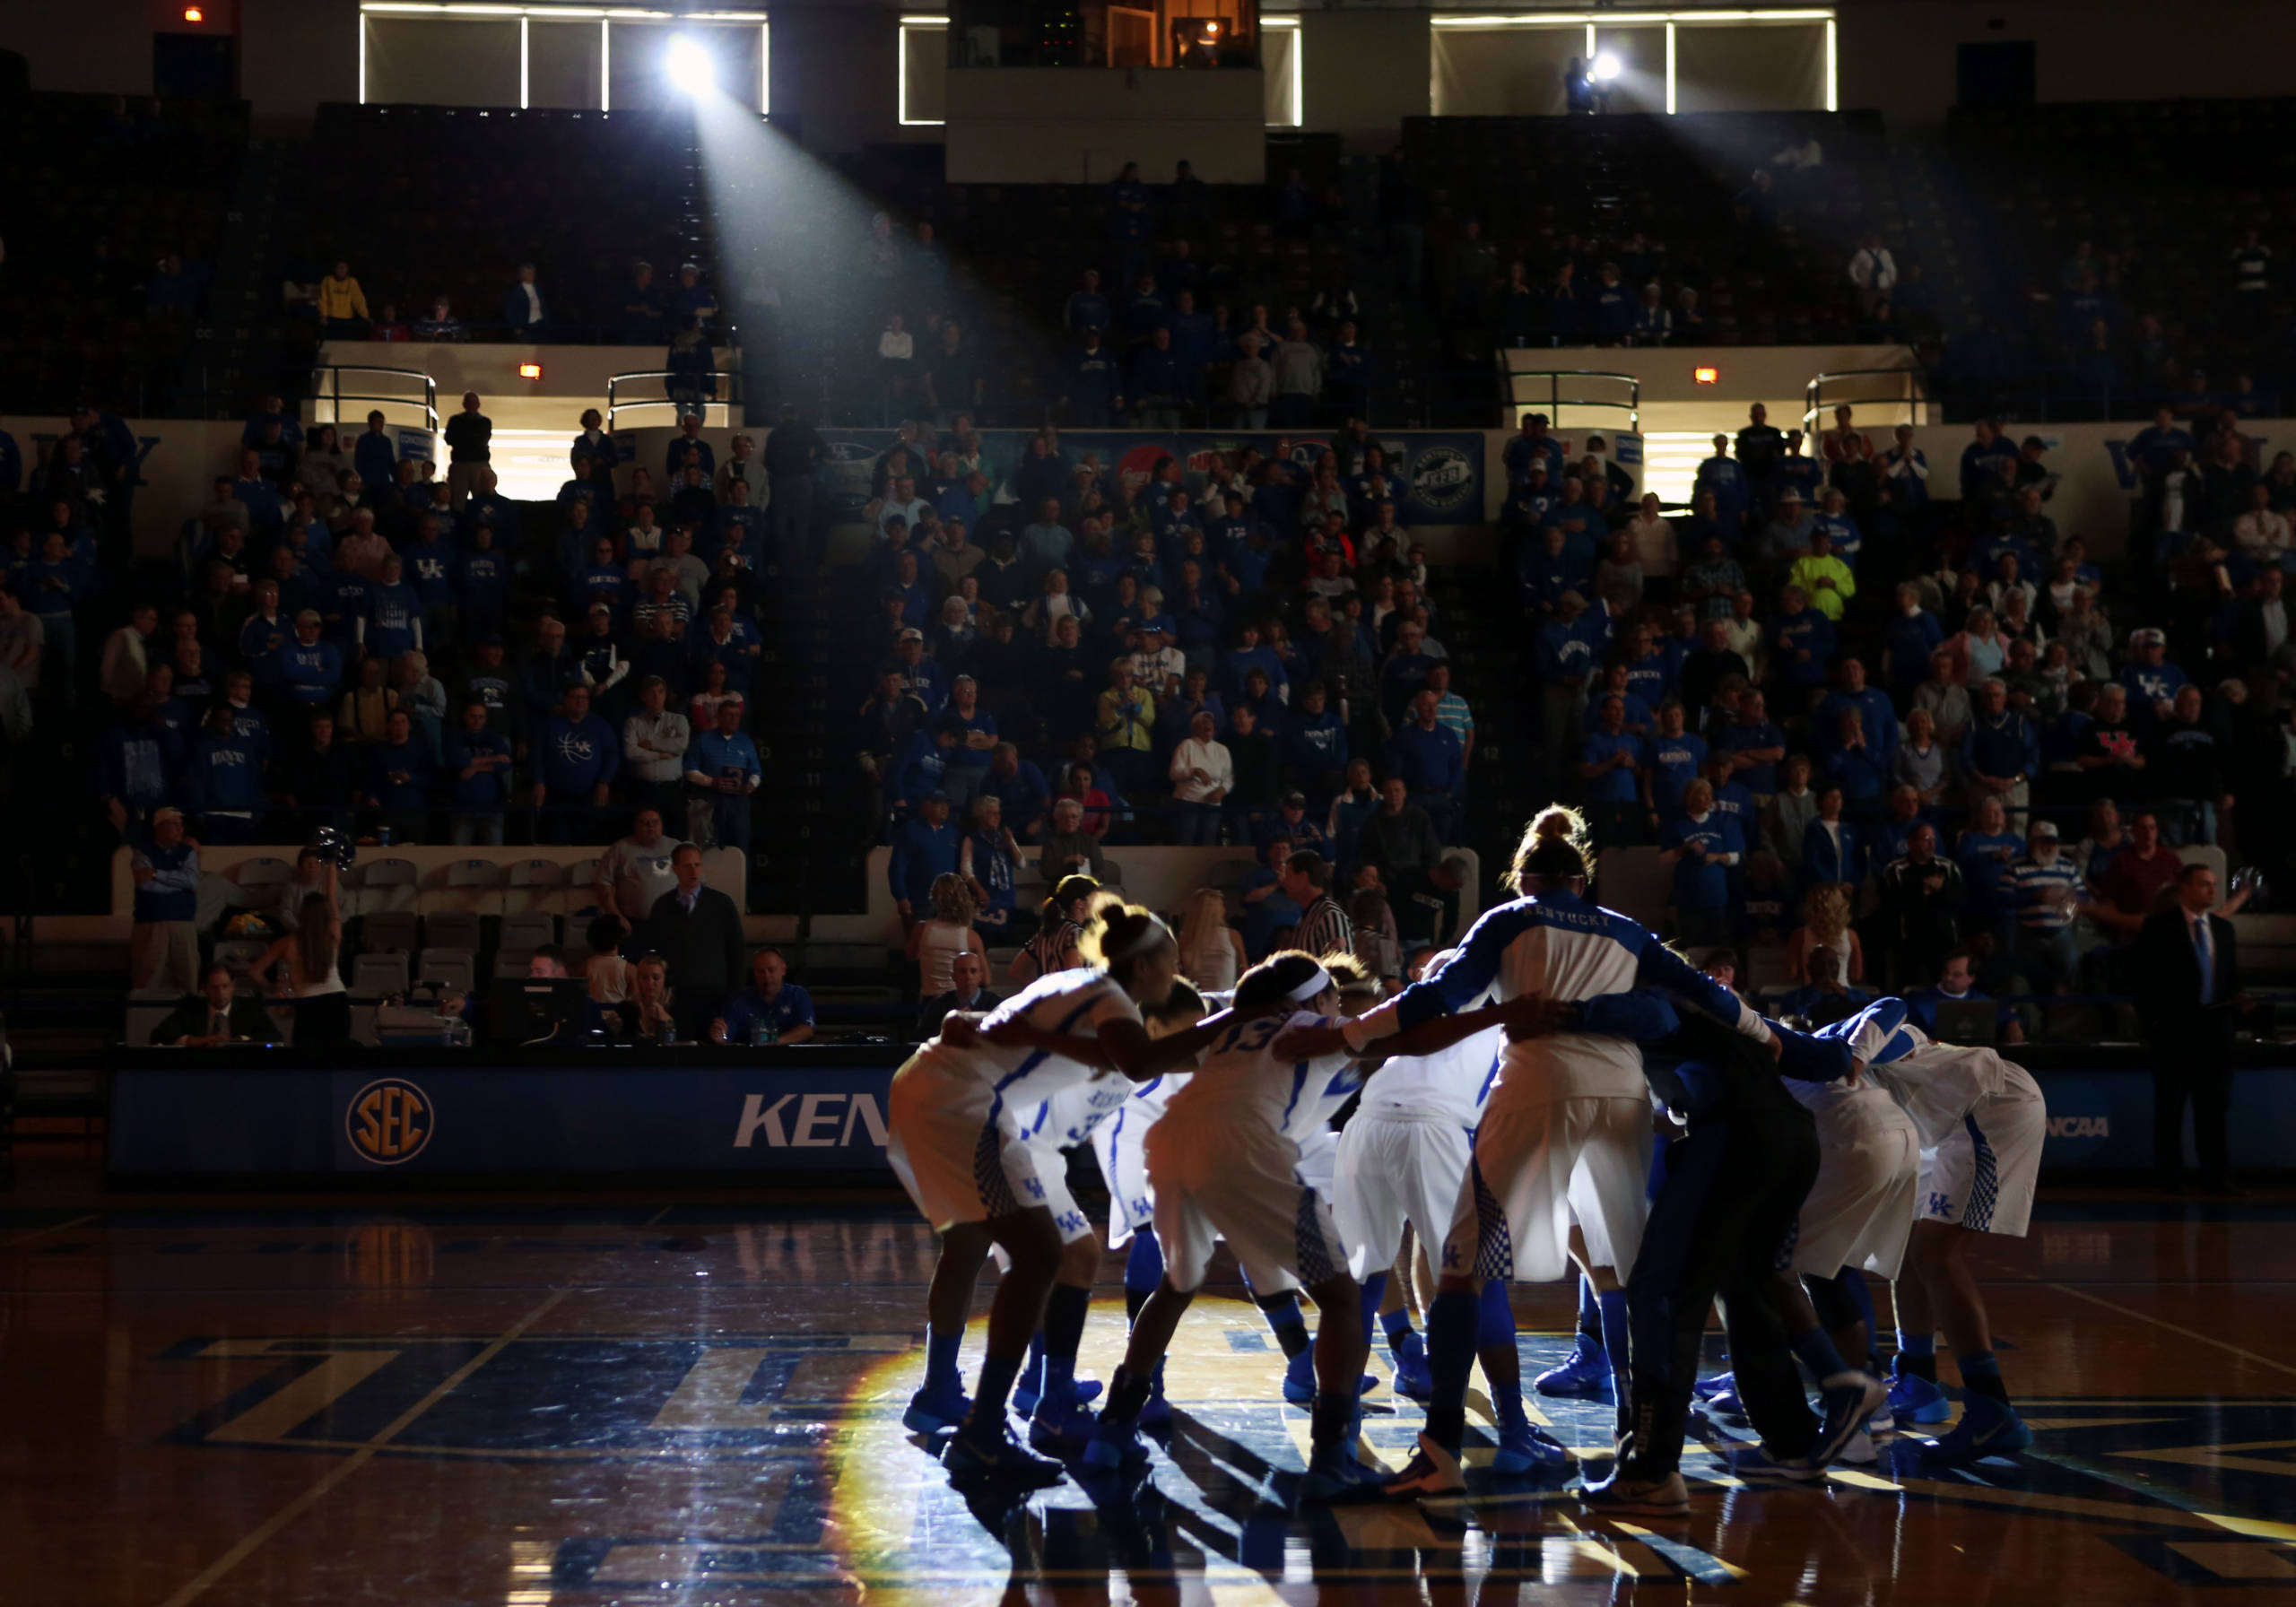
[(653, 743), (697, 931), (163, 947)]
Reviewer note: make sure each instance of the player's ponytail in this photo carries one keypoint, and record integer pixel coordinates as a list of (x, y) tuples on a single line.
[(1350, 975), (1553, 848), (1285, 975), (1119, 937)]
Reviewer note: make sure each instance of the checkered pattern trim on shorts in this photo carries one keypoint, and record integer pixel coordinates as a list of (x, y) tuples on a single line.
[(1495, 1248), (1985, 1186), (1787, 1243), (1309, 1253), (988, 1172)]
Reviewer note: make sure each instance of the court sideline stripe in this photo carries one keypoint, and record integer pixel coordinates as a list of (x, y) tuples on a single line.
[(2147, 1316), (215, 1571), (77, 1222)]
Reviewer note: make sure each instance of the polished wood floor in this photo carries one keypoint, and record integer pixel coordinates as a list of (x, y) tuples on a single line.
[(594, 1401)]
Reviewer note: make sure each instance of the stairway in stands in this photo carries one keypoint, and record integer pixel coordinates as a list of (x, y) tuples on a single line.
[(1480, 623), (814, 825), (248, 345)]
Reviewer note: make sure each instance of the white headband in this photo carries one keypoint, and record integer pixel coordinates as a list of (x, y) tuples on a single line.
[(1312, 987), (1154, 933)]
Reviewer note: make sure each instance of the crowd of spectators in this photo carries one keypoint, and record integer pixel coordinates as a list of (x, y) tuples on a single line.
[(649, 310), (1151, 329), (1863, 703), (1243, 652), (355, 640)]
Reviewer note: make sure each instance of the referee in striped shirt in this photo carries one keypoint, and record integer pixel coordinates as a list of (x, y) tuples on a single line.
[(1324, 928)]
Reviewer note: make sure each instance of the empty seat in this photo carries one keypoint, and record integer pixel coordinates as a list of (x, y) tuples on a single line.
[(262, 871), (472, 885), (533, 884), (377, 975), (388, 884), (451, 929), (449, 968), (581, 887), (388, 931), (529, 932)]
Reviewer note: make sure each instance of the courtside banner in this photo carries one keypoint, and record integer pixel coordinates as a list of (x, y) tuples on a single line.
[(671, 1111), (444, 1113), (1437, 474)]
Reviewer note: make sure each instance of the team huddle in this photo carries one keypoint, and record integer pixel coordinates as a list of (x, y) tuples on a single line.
[(1504, 1127)]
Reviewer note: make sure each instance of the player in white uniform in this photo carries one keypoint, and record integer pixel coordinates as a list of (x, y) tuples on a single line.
[(1118, 1143), (1402, 1161), (1981, 1121), (1048, 1393), (1564, 1107), (953, 1138), (1856, 1219), (1225, 1164)]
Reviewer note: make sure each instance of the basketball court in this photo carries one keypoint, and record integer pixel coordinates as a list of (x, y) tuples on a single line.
[(231, 1401)]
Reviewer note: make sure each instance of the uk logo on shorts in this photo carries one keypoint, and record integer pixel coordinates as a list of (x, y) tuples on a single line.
[(1441, 478), (389, 1121), (1940, 1205)]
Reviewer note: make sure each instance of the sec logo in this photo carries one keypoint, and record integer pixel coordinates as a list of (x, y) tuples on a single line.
[(389, 1121)]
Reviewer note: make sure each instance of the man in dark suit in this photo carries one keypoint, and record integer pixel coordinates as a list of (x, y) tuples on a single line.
[(2260, 622), (213, 1017), (697, 930), (969, 972), (2188, 968)]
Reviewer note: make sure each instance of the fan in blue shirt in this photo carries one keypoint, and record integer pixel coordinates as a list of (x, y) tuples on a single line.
[(1805, 641), (482, 578), (1751, 731), (431, 564), (345, 607), (400, 768), (309, 668), (1702, 874), (1610, 754), (392, 622), (1724, 476), (1841, 530), (1533, 445), (1674, 758), (771, 1010), (477, 759)]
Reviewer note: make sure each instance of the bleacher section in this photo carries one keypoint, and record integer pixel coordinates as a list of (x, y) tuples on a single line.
[(101, 191), (447, 201)]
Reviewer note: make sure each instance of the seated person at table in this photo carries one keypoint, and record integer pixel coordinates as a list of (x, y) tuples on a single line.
[(772, 1010), (969, 973), (648, 1016), (214, 1016)]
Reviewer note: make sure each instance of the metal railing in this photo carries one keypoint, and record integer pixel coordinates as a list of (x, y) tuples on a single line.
[(729, 380), (1522, 387), (1909, 394), (327, 392)]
